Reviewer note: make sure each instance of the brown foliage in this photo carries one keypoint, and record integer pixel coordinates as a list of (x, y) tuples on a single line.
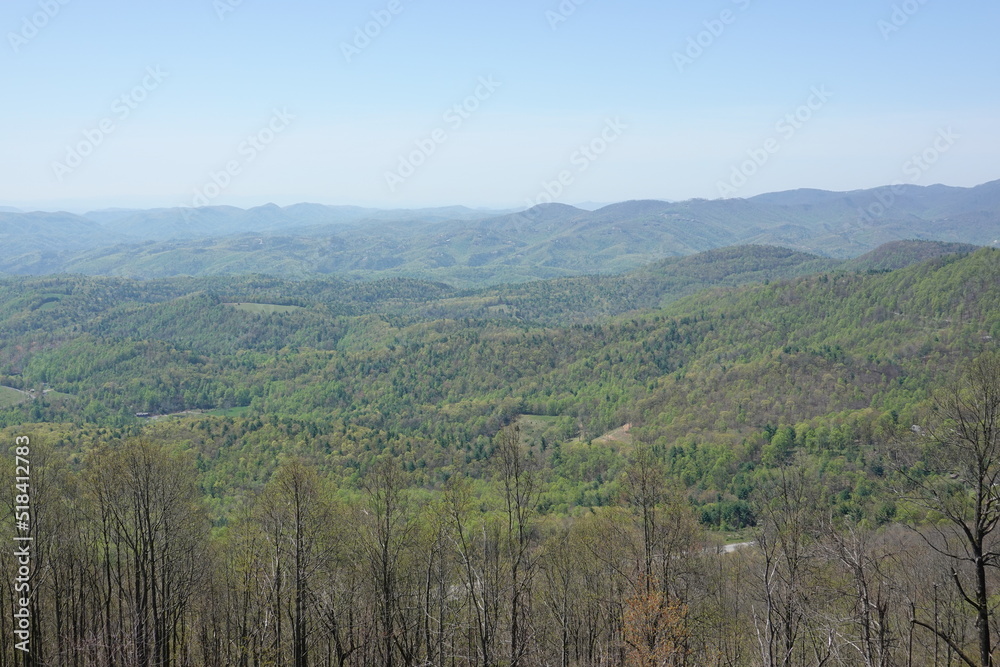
[(654, 628)]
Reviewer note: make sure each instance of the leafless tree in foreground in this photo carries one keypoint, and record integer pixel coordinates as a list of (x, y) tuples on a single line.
[(959, 483)]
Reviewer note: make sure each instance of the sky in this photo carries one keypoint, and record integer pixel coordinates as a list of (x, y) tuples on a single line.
[(488, 103)]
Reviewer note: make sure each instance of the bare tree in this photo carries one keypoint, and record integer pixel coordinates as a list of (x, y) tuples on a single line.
[(296, 511), (787, 505), (867, 559), (155, 530), (520, 489), (655, 612), (387, 525), (476, 544), (958, 479)]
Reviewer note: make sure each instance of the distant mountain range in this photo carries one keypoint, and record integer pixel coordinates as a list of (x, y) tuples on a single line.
[(464, 246)]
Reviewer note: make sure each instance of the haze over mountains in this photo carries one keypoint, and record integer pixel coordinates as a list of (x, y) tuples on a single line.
[(464, 246)]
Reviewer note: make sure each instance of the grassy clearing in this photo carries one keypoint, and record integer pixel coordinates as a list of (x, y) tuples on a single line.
[(537, 430), (619, 435), (229, 412), (534, 426), (10, 396), (537, 421), (263, 308)]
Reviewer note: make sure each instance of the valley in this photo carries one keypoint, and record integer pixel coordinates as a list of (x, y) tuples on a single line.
[(569, 425)]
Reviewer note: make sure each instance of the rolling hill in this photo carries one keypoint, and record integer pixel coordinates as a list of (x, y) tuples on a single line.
[(465, 247)]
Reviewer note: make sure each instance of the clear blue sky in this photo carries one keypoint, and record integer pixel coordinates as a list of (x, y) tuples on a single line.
[(677, 129)]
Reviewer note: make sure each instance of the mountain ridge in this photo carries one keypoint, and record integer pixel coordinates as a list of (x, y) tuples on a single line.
[(468, 247)]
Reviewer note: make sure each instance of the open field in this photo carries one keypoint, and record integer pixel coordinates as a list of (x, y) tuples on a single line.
[(10, 396), (263, 308)]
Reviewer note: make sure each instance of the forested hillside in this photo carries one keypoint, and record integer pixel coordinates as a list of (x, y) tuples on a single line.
[(402, 472), (477, 248)]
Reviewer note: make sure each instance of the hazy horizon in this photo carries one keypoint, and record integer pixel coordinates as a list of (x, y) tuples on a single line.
[(586, 205)]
